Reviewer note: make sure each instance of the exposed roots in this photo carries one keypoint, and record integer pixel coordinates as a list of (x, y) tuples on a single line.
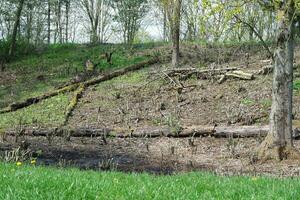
[(269, 150)]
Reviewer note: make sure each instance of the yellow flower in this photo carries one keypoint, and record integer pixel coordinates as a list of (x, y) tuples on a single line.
[(19, 164), (33, 162), (254, 178)]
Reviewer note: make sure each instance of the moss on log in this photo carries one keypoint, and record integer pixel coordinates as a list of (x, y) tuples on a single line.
[(72, 87), (73, 102), (33, 100)]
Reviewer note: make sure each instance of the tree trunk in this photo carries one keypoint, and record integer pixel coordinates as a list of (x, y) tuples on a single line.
[(29, 23), (165, 35), (49, 23), (175, 28), (278, 144), (15, 30), (101, 29), (60, 22), (67, 21)]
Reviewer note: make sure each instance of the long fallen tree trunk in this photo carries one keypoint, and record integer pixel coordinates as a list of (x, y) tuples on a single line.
[(224, 73), (152, 132), (187, 72), (33, 100), (240, 74), (72, 87)]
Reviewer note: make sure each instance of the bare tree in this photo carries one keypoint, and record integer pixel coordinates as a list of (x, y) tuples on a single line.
[(15, 29), (96, 10), (49, 22), (173, 8), (67, 9), (129, 14)]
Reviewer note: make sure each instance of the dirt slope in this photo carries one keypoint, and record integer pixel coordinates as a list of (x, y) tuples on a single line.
[(150, 98)]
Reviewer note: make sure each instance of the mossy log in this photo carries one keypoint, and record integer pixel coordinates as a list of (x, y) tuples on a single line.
[(120, 72), (72, 87), (74, 101), (33, 100)]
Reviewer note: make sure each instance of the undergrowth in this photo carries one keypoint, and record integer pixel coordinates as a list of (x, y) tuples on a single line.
[(48, 113), (37, 73)]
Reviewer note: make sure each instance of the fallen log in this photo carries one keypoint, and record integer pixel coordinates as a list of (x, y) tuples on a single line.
[(268, 69), (194, 131), (241, 131), (33, 100), (153, 132), (240, 74), (72, 87), (73, 102), (222, 79), (120, 72), (188, 72), (223, 73)]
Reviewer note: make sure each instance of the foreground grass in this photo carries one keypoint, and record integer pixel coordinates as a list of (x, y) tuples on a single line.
[(47, 183)]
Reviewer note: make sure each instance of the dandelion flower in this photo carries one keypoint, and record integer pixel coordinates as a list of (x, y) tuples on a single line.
[(19, 164), (33, 162), (254, 178)]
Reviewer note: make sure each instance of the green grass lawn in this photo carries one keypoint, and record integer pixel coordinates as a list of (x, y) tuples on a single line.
[(27, 182)]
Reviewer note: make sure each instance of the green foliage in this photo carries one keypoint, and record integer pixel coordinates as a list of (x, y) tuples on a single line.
[(267, 103), (142, 36), (129, 15), (247, 102), (296, 85), (57, 64), (25, 182), (22, 48), (49, 112)]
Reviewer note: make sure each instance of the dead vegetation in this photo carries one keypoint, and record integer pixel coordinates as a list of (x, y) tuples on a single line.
[(210, 114)]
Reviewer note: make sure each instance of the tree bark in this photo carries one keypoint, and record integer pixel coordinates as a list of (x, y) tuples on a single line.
[(175, 28), (15, 30), (279, 144), (29, 18), (165, 35), (49, 22)]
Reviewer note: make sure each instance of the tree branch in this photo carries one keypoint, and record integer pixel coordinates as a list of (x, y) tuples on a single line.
[(257, 34)]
